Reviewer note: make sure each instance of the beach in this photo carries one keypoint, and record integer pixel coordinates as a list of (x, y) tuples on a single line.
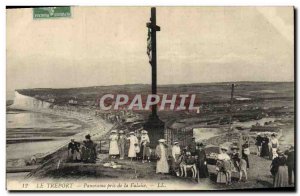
[(40, 133)]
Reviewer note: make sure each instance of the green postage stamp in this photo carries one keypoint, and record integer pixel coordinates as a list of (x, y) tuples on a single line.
[(51, 12)]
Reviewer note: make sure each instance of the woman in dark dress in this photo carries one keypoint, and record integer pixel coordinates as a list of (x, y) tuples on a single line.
[(279, 170), (88, 150), (265, 147)]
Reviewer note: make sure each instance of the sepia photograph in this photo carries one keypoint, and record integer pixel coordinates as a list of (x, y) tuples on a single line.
[(143, 98)]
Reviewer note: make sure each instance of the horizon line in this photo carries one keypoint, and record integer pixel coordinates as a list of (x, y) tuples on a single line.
[(157, 85)]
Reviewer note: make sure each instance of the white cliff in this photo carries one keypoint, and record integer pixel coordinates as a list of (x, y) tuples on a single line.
[(24, 102)]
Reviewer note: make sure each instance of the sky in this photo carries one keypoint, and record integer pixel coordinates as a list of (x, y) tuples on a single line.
[(107, 46)]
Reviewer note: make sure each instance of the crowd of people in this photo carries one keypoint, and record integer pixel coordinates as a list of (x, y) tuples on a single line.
[(174, 160), (267, 145), (136, 148), (282, 168), (85, 152)]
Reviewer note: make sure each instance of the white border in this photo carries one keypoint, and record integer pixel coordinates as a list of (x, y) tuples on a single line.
[(4, 3)]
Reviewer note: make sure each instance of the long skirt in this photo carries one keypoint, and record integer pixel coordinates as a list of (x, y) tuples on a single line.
[(221, 178), (88, 155), (145, 151), (203, 170), (162, 165), (265, 150), (175, 164), (122, 150), (113, 148), (131, 151), (281, 177)]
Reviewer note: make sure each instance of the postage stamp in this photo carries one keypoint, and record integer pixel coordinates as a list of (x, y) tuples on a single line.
[(51, 12)]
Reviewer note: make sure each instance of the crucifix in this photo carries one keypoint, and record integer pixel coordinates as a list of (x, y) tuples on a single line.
[(154, 125)]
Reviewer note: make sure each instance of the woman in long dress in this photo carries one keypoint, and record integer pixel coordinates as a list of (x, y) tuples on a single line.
[(121, 142), (88, 150), (279, 170), (176, 152), (113, 144), (161, 150), (133, 141), (145, 150), (265, 147), (274, 144)]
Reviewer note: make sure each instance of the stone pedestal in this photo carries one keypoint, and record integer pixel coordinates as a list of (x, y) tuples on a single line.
[(155, 128)]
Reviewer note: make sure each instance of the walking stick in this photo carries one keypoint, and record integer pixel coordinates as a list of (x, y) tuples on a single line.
[(198, 178)]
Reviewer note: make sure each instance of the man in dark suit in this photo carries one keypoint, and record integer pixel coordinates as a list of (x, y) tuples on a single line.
[(192, 147), (290, 163), (201, 161), (73, 150)]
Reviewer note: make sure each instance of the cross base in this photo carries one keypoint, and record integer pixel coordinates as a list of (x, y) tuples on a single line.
[(155, 128)]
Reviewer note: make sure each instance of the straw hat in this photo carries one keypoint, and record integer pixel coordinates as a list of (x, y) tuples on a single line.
[(161, 140), (113, 131), (144, 131), (121, 131), (224, 148), (176, 143), (279, 152), (235, 147), (131, 133)]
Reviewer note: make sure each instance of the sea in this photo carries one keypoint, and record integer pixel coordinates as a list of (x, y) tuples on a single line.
[(33, 133)]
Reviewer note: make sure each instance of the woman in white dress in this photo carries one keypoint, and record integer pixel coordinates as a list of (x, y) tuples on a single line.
[(161, 151), (133, 141), (274, 144), (113, 144)]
